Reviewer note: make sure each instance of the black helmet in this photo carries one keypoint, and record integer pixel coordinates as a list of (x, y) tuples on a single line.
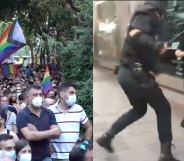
[(157, 5), (153, 5)]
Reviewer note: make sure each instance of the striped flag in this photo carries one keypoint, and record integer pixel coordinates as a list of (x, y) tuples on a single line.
[(11, 40), (8, 69), (46, 82)]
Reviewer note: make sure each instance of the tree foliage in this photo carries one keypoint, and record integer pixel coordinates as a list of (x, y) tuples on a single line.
[(77, 56), (68, 24)]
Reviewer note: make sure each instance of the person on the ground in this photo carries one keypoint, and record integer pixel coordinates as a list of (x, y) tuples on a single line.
[(138, 66), (37, 124), (69, 116)]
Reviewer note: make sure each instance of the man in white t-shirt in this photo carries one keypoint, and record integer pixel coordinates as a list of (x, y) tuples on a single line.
[(69, 116)]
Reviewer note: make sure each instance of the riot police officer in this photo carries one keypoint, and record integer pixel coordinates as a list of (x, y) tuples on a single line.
[(141, 52)]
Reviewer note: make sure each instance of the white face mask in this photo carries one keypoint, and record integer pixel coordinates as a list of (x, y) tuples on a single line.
[(18, 94), (25, 157), (37, 102), (71, 100)]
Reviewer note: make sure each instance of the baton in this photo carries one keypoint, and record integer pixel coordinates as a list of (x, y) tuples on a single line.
[(178, 35)]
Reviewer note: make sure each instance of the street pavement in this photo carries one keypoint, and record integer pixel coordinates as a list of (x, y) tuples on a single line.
[(139, 141)]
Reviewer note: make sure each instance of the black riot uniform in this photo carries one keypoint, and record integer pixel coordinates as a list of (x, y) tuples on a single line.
[(141, 52)]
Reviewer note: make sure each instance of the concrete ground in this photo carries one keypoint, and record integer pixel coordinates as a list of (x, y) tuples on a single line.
[(138, 142)]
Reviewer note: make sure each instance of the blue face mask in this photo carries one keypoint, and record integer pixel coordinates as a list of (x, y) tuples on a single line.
[(11, 154), (4, 105), (72, 99)]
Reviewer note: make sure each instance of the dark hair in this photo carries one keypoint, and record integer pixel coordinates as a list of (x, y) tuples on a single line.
[(77, 154), (21, 97), (5, 137), (51, 97), (64, 86), (12, 101), (3, 113), (34, 86), (19, 145), (6, 92)]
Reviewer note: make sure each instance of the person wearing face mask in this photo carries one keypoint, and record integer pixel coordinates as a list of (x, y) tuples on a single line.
[(37, 124), (23, 150), (4, 102), (3, 130), (7, 145), (69, 116), (18, 93), (11, 115), (4, 157)]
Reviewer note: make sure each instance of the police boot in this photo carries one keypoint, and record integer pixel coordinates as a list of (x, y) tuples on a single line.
[(105, 142), (166, 154)]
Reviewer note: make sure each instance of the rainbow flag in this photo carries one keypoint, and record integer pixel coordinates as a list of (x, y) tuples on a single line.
[(46, 82), (11, 40), (8, 69)]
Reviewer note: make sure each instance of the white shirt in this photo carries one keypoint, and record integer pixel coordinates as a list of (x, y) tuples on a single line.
[(69, 123), (11, 120)]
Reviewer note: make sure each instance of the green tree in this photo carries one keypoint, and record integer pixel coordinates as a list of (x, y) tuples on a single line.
[(68, 24), (77, 56)]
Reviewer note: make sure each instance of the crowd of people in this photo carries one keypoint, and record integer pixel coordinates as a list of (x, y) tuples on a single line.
[(42, 127)]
